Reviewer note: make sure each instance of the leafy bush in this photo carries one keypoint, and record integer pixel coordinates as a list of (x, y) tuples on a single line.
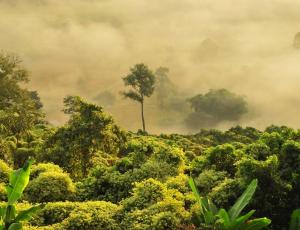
[(198, 165), (208, 179), (3, 193), (54, 213), (259, 151), (274, 140), (179, 183), (44, 167), (92, 215), (226, 192), (153, 204), (147, 157), (7, 146), (5, 170), (49, 187)]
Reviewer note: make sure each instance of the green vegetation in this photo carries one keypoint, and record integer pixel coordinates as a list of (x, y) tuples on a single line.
[(18, 180), (214, 107), (215, 218), (92, 174)]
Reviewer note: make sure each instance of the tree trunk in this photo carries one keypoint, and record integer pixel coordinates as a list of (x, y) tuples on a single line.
[(143, 118)]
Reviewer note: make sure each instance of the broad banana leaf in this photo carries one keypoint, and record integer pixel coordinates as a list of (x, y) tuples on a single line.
[(240, 222), (17, 182), (28, 214), (2, 212), (242, 201), (207, 208), (224, 218), (257, 224), (15, 226), (10, 214)]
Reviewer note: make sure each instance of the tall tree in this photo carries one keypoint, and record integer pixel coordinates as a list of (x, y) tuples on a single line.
[(88, 132), (20, 109), (142, 81)]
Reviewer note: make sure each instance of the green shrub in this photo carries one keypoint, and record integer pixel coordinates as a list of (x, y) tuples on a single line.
[(226, 192), (3, 193), (198, 165), (223, 157), (92, 215), (154, 206), (208, 179), (5, 170), (44, 167), (179, 183), (165, 220), (51, 227), (166, 214), (49, 187), (145, 193), (92, 218), (54, 213), (274, 140), (152, 158), (6, 148), (259, 150)]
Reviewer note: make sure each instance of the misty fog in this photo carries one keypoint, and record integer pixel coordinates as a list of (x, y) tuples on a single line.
[(85, 47)]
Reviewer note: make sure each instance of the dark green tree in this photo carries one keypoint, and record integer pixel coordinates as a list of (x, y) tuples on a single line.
[(142, 81), (214, 107), (89, 131), (20, 109)]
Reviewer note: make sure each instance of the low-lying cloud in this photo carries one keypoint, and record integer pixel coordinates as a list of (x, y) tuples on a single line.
[(84, 47)]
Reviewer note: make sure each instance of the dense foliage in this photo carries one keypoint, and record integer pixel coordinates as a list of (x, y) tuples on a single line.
[(94, 175), (214, 107)]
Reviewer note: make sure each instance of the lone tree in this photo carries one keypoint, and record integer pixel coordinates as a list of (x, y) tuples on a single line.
[(142, 80)]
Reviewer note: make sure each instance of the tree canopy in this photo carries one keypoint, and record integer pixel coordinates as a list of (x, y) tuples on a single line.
[(88, 131), (141, 80), (214, 107), (20, 109)]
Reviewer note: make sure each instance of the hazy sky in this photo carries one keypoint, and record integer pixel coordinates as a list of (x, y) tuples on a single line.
[(84, 47)]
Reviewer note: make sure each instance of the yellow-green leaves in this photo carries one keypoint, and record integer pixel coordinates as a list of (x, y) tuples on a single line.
[(17, 182), (243, 200)]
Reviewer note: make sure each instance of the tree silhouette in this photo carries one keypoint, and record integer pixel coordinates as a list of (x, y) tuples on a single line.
[(141, 80)]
